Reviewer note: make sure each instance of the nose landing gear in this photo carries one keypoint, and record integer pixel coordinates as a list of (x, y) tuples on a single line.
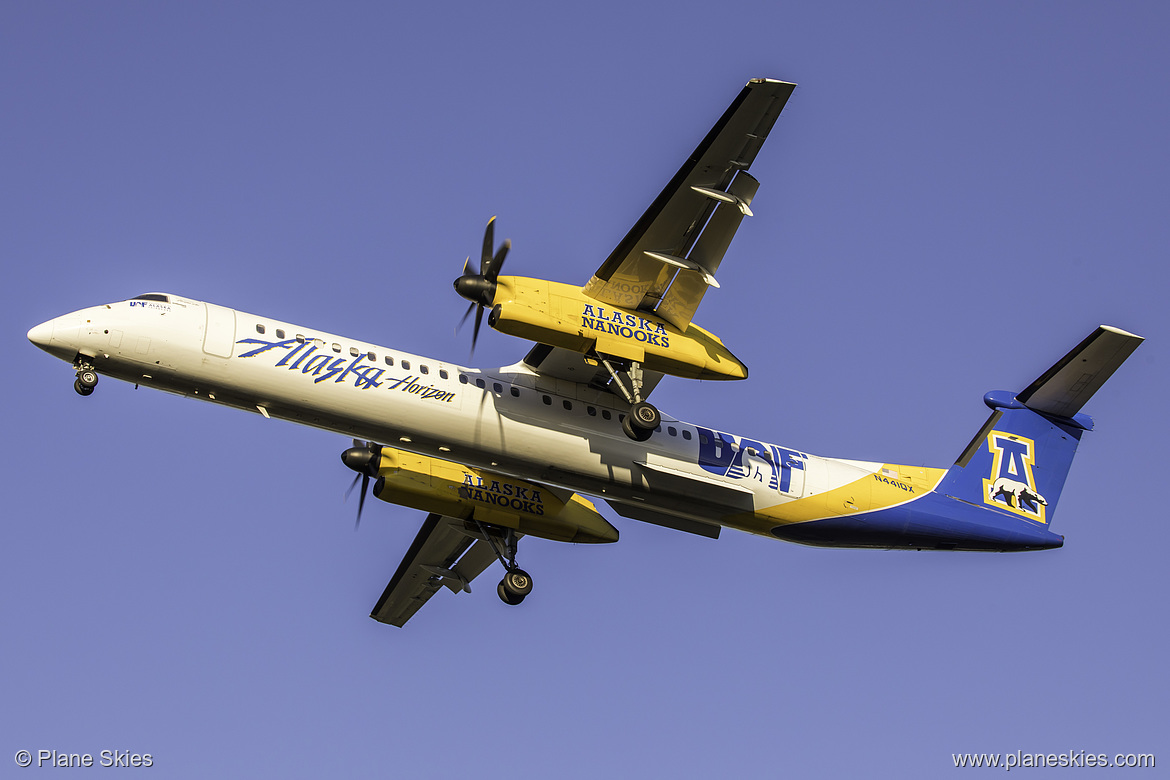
[(86, 381)]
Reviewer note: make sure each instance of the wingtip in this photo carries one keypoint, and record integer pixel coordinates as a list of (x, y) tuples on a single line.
[(763, 80), (1121, 332)]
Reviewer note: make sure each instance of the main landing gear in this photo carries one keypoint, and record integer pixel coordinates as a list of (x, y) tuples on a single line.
[(516, 583), (643, 418), (87, 379)]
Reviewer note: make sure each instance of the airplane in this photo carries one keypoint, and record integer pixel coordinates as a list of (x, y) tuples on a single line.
[(493, 455)]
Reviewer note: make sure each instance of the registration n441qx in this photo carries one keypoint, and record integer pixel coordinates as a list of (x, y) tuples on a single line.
[(493, 455)]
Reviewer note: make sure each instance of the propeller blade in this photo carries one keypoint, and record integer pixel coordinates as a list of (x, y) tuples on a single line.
[(361, 501), (498, 261), (352, 485), (466, 314), (489, 240), (475, 333)]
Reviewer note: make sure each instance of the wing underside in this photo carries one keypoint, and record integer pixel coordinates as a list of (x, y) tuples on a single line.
[(564, 364), (445, 553), (669, 258)]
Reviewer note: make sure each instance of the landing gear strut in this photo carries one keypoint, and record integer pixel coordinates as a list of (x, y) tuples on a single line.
[(87, 379), (516, 583), (643, 418)]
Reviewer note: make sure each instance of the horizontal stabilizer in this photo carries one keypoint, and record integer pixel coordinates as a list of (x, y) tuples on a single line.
[(1063, 389)]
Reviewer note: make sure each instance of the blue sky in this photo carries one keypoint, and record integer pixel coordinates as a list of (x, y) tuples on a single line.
[(955, 195)]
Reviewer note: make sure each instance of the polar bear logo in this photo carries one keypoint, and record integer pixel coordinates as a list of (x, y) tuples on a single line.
[(1015, 493), (756, 466)]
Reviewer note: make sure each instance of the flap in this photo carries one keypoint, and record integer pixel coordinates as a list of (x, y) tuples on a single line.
[(443, 553)]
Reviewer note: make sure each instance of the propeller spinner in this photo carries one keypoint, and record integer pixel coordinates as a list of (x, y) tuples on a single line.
[(480, 288)]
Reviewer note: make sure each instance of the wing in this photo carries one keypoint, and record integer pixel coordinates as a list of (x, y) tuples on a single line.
[(443, 553), (669, 258)]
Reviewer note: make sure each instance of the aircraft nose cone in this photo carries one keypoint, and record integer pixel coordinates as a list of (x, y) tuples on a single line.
[(41, 334), (60, 337)]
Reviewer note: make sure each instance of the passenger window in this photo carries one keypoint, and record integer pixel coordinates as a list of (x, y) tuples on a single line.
[(389, 360), (353, 351), (515, 391), (336, 347), (567, 405), (703, 439), (406, 364), (547, 400), (686, 434), (480, 384), (259, 328), (424, 369), (463, 379), (279, 333), (373, 358), (498, 387), (606, 415), (672, 431), (591, 411), (300, 338), (443, 373)]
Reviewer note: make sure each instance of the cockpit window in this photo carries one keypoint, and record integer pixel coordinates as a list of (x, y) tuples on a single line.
[(151, 297)]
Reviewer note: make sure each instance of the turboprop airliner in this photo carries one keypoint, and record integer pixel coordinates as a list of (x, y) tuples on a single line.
[(493, 455)]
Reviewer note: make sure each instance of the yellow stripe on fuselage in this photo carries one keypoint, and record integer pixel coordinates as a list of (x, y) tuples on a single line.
[(888, 487)]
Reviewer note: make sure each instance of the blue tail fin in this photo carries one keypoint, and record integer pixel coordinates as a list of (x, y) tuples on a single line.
[(1017, 463), (1019, 460)]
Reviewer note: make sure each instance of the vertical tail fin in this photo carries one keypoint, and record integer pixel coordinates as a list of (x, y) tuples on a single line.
[(1019, 460)]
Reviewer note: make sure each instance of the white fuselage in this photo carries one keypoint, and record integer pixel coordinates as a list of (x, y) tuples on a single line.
[(510, 420)]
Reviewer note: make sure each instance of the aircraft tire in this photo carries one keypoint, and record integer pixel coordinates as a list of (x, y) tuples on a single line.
[(645, 415), (635, 433), (87, 377), (506, 595), (518, 583), (82, 389)]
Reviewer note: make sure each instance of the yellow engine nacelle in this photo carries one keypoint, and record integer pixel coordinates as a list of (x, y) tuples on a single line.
[(563, 316), (436, 485)]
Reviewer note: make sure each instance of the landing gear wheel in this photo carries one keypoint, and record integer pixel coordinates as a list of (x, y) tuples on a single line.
[(82, 389), (637, 434), (87, 377), (514, 587), (507, 597), (517, 582), (645, 415), (642, 421)]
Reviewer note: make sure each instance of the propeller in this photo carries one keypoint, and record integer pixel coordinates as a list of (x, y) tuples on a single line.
[(364, 457), (480, 288)]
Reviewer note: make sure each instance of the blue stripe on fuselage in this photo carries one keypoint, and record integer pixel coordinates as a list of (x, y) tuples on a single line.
[(932, 522)]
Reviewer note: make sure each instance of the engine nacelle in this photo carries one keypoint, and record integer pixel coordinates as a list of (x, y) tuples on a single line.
[(561, 315), (436, 485)]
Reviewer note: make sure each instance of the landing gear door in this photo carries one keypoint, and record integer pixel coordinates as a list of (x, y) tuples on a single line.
[(220, 335)]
